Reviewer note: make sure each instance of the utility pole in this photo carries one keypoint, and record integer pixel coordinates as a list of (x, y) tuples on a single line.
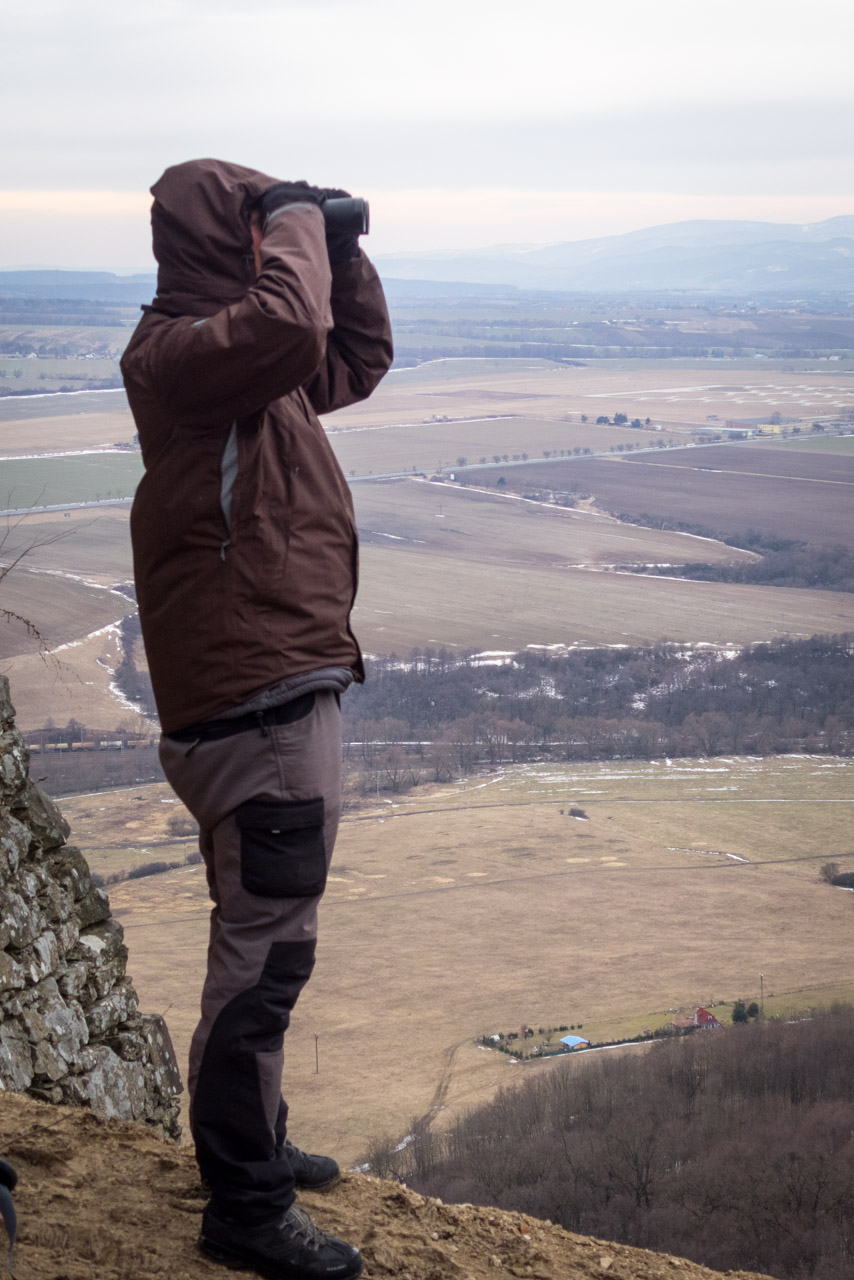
[(316, 1056), (762, 994)]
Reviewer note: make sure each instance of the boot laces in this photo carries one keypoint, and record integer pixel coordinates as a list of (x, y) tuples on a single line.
[(305, 1228)]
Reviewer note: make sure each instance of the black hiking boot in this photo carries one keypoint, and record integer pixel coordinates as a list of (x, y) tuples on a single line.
[(288, 1248), (311, 1173)]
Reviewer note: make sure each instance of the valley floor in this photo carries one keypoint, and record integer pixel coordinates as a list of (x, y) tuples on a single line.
[(476, 907)]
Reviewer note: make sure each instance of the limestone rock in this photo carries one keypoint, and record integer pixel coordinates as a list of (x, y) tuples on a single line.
[(105, 1015), (16, 1058), (70, 1030), (14, 759), (73, 980), (69, 869), (14, 846), (112, 1088), (93, 907), (7, 711), (49, 828), (162, 1055)]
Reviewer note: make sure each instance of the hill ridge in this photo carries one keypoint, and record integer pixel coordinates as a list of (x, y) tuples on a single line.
[(108, 1197)]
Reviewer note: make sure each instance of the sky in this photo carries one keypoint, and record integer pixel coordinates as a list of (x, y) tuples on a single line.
[(466, 123)]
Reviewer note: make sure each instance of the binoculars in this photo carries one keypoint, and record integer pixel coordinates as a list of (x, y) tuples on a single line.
[(347, 215)]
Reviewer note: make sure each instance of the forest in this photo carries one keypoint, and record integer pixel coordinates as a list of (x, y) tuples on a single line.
[(732, 1147), (431, 716)]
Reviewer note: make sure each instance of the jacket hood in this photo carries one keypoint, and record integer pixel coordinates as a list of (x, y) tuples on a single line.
[(201, 236)]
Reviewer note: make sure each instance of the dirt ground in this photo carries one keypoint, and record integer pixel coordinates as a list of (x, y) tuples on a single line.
[(101, 1198)]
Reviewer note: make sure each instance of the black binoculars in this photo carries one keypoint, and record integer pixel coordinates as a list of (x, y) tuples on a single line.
[(348, 215)]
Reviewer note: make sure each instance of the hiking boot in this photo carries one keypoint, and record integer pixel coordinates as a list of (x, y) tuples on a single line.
[(311, 1173), (287, 1248)]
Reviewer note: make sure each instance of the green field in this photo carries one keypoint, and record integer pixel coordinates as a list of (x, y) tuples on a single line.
[(42, 482), (820, 444), (46, 373)]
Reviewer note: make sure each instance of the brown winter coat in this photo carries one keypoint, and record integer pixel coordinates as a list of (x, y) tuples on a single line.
[(245, 579)]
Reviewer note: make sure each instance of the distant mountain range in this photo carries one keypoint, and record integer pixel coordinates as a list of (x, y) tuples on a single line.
[(90, 286), (715, 257), (699, 256)]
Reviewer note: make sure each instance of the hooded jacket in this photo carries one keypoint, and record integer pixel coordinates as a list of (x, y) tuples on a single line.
[(244, 541)]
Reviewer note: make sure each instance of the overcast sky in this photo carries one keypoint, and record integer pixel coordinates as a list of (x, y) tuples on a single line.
[(465, 122)]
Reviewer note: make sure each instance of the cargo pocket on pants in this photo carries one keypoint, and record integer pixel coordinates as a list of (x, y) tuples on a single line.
[(282, 851)]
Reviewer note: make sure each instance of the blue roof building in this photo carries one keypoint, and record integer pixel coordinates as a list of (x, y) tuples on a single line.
[(572, 1042)]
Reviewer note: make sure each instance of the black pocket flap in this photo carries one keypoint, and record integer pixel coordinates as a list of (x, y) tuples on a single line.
[(280, 815)]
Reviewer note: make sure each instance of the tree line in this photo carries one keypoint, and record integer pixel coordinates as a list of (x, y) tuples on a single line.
[(784, 562), (732, 1147), (431, 716)]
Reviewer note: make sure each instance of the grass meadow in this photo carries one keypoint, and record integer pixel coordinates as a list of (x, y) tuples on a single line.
[(42, 482), (483, 905)]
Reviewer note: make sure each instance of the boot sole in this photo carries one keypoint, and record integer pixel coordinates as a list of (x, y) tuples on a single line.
[(237, 1261)]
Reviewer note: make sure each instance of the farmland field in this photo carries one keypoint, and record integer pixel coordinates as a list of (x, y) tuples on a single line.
[(62, 609), (453, 567), (690, 487), (763, 462), (678, 397), (476, 907), (819, 444), (92, 544), (429, 446), (530, 390), (63, 433), (50, 481), (440, 566)]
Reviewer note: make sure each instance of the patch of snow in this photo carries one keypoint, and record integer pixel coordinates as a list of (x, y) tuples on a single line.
[(73, 644)]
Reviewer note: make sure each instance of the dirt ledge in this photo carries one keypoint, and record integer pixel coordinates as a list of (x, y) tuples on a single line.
[(106, 1198)]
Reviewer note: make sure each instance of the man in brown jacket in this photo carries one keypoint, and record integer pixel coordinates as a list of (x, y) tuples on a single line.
[(245, 557)]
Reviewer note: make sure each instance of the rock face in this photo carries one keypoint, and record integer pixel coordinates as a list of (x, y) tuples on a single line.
[(70, 1026)]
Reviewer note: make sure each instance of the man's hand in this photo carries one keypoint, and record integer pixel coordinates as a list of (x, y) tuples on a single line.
[(340, 246), (276, 197)]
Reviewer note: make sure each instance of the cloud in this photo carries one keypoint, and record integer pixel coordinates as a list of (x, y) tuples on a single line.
[(75, 204), (745, 101), (768, 148)]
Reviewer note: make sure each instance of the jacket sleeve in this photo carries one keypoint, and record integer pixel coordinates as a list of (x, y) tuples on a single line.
[(359, 349), (268, 344)]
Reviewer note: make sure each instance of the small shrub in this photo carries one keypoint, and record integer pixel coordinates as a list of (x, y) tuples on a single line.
[(181, 824), (152, 869)]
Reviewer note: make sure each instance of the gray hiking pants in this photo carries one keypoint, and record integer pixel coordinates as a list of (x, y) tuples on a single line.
[(267, 800)]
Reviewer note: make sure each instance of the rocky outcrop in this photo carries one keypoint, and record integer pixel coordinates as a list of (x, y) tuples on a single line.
[(70, 1026)]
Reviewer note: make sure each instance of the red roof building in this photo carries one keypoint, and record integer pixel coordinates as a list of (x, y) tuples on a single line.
[(699, 1018)]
